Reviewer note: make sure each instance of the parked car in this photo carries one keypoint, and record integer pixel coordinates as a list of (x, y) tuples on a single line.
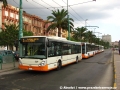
[(16, 55)]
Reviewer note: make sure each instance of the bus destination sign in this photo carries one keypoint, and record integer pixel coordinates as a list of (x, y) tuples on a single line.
[(30, 39)]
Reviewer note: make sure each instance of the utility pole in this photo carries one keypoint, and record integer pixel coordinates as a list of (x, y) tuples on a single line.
[(20, 27), (68, 22)]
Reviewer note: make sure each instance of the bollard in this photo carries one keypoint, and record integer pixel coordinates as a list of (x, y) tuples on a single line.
[(14, 62)]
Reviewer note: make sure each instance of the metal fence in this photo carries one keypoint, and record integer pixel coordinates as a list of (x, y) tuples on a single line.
[(7, 60)]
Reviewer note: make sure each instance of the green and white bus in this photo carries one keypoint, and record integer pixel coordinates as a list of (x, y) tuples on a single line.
[(42, 53)]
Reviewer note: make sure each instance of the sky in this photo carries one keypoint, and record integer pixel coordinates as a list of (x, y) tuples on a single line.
[(100, 16)]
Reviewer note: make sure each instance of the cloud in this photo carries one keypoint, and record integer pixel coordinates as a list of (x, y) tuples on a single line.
[(102, 13)]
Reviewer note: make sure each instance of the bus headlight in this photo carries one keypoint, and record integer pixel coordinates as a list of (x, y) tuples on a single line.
[(42, 63)]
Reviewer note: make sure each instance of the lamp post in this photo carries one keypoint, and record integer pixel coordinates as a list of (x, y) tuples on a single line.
[(68, 22), (20, 26)]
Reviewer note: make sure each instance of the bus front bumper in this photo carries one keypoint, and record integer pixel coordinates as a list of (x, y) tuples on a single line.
[(34, 68)]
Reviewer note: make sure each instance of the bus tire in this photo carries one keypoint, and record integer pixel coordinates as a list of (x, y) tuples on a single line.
[(59, 64), (77, 60)]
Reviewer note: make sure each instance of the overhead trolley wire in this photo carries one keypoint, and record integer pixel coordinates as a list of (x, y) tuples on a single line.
[(75, 12), (80, 3), (35, 6), (48, 4), (15, 2), (41, 5), (63, 7)]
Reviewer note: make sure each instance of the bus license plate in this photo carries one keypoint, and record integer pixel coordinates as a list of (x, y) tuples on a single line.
[(30, 68)]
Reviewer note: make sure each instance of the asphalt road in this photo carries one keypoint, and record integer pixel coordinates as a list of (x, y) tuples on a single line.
[(96, 71)]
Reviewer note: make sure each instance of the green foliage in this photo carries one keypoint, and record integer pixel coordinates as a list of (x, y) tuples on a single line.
[(59, 21), (89, 36), (79, 33), (10, 34), (4, 3), (72, 39), (82, 35), (27, 33)]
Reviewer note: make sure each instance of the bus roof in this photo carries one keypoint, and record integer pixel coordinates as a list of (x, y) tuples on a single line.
[(54, 38)]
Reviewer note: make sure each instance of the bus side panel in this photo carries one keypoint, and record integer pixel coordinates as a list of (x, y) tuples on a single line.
[(80, 56), (52, 62), (85, 56), (64, 59), (71, 58)]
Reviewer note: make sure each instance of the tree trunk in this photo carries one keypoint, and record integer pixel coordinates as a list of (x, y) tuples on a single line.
[(59, 32)]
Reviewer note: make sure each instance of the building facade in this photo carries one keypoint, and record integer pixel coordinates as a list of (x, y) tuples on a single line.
[(107, 38), (33, 23), (115, 44)]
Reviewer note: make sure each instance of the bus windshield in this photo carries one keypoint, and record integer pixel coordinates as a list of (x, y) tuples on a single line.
[(34, 50)]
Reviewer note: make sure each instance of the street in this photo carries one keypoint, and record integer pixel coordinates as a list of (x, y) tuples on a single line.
[(96, 71)]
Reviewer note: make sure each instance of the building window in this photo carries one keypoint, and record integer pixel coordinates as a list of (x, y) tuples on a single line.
[(11, 15), (16, 16), (6, 13)]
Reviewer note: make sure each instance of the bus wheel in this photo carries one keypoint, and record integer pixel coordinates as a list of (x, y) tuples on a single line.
[(77, 60), (59, 65)]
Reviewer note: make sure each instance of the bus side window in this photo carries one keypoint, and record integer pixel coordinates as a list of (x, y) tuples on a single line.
[(69, 49), (65, 49), (73, 49), (57, 49), (77, 49), (51, 50)]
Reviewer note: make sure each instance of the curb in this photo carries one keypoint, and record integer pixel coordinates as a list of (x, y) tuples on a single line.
[(114, 70)]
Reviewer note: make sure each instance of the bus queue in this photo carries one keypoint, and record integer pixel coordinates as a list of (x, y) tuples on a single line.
[(42, 53)]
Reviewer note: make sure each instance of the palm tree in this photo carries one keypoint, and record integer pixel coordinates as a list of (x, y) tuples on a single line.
[(79, 33), (59, 20), (90, 36), (4, 2), (97, 40)]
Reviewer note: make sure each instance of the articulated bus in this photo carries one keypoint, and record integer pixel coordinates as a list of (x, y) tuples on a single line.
[(42, 53)]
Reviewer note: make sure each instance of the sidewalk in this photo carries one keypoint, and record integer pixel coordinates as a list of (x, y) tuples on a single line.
[(8, 67), (117, 70)]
